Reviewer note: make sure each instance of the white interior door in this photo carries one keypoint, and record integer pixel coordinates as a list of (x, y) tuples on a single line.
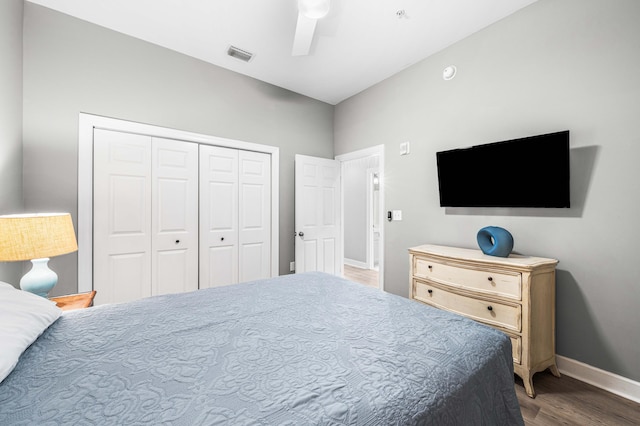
[(122, 216), (318, 245), (254, 225), (174, 223), (218, 216)]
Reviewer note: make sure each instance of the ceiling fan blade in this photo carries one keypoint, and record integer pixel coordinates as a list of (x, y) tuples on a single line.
[(305, 28)]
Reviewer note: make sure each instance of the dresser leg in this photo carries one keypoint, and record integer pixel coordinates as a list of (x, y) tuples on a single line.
[(554, 370), (528, 385)]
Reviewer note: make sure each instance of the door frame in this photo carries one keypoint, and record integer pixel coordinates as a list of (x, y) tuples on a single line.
[(88, 122), (377, 150)]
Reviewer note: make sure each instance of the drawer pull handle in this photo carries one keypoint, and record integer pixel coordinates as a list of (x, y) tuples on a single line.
[(490, 308), (177, 241), (429, 266), (490, 278), (429, 291)]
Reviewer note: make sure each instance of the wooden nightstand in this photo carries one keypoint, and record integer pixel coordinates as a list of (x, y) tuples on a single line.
[(74, 301)]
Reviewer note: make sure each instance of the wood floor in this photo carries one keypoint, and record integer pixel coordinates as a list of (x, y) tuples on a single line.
[(567, 401), (368, 277)]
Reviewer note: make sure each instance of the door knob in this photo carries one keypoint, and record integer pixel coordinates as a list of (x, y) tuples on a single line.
[(301, 234)]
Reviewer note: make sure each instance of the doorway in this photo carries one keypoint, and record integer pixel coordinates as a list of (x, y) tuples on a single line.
[(362, 213)]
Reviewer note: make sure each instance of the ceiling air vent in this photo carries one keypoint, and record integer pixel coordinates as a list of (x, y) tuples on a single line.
[(243, 55)]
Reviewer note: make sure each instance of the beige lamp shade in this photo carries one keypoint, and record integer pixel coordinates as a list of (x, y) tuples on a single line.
[(36, 236)]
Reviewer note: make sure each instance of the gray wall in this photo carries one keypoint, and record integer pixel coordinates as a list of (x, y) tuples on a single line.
[(10, 120), (71, 66), (555, 65)]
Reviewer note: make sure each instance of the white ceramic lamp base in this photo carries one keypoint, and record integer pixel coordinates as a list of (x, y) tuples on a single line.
[(40, 279)]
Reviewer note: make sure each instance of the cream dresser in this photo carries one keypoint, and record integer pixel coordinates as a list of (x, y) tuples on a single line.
[(515, 295)]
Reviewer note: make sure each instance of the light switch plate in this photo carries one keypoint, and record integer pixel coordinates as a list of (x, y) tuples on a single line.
[(405, 148), (397, 214)]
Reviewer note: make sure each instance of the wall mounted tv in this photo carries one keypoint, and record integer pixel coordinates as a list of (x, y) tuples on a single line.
[(526, 172)]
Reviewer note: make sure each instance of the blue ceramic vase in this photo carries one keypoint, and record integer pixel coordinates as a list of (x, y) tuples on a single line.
[(495, 241)]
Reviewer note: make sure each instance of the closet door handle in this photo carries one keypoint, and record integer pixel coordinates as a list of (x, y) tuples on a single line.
[(301, 234)]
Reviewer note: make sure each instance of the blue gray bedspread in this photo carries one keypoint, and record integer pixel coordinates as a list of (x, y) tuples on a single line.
[(307, 349)]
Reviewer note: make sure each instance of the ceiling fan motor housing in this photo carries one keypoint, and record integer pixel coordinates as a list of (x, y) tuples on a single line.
[(314, 9)]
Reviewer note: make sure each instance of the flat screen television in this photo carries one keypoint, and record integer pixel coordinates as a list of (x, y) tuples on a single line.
[(526, 172)]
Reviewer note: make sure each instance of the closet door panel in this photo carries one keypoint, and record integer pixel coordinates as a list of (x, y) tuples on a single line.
[(218, 216), (173, 272), (252, 262), (223, 220), (220, 265), (174, 216), (126, 273), (122, 216), (255, 215)]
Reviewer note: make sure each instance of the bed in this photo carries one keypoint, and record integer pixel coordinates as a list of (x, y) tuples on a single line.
[(306, 349)]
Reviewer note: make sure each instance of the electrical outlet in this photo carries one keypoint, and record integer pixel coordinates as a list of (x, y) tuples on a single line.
[(292, 266)]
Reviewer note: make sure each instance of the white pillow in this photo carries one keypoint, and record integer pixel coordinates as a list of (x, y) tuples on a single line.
[(23, 317)]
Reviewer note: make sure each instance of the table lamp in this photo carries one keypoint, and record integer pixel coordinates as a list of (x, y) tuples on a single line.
[(36, 237)]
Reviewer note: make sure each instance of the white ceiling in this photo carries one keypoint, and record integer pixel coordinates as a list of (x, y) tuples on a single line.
[(360, 42)]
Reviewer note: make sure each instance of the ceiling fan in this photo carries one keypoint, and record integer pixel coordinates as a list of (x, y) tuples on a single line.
[(309, 11)]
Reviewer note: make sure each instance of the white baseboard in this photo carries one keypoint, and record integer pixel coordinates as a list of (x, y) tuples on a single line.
[(610, 382), (356, 263)]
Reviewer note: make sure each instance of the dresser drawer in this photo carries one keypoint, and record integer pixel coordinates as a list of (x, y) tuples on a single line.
[(498, 314), (486, 281)]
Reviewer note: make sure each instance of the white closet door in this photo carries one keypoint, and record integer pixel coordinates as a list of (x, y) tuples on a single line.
[(174, 223), (254, 245), (122, 216), (218, 216)]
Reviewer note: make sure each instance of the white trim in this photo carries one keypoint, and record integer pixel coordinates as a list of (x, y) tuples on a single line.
[(363, 153), (356, 263), (88, 122), (602, 379)]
